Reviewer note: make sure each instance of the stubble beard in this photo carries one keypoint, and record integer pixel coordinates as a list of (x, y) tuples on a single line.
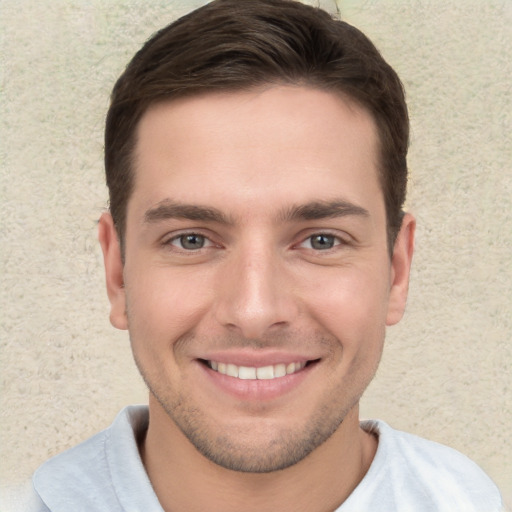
[(232, 450), (274, 449)]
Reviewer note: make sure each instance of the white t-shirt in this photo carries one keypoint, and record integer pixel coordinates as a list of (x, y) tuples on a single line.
[(408, 474)]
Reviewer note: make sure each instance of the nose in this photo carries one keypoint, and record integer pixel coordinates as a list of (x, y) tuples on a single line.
[(254, 294)]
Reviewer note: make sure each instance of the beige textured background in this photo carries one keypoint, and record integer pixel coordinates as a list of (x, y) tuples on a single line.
[(65, 372)]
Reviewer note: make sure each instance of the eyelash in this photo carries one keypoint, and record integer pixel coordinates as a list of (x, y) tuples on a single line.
[(337, 241), (176, 238)]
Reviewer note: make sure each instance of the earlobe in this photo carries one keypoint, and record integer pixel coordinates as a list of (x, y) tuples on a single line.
[(110, 246), (400, 270)]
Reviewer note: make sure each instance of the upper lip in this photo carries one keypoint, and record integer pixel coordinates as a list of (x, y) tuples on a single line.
[(256, 359)]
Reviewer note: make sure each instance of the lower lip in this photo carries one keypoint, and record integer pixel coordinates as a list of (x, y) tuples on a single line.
[(254, 389)]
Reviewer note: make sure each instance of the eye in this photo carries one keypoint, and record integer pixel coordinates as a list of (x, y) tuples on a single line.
[(190, 241), (321, 242)]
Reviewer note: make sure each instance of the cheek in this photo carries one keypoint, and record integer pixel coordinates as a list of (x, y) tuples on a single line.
[(163, 305), (352, 305)]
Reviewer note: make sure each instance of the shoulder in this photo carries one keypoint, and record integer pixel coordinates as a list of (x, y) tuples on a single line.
[(425, 457), (412, 473), (92, 475), (81, 463)]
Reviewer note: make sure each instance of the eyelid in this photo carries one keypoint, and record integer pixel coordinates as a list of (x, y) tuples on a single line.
[(169, 238), (341, 239), (337, 240), (207, 242)]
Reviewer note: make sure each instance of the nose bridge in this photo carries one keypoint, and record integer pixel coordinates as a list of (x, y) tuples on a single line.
[(253, 297)]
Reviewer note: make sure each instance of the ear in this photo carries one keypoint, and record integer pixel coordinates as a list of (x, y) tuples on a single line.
[(107, 236), (400, 270)]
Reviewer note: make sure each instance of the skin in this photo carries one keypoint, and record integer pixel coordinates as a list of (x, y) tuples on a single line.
[(278, 189)]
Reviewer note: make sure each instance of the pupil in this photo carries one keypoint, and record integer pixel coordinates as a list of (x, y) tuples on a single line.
[(192, 241), (322, 242)]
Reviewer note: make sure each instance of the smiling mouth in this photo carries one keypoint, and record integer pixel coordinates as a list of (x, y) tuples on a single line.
[(257, 373)]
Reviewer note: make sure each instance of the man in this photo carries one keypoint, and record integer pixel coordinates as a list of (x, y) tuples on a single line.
[(255, 250)]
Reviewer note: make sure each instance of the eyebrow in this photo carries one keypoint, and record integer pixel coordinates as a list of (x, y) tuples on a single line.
[(316, 210), (168, 209)]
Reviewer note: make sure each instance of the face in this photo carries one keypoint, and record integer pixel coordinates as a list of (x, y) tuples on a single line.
[(257, 283)]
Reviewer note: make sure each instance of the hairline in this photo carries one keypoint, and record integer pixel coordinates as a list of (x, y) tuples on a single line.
[(197, 92)]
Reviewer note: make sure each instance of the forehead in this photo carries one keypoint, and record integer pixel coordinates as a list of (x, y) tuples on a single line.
[(243, 147)]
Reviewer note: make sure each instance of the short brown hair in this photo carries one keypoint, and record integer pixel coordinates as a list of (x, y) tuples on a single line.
[(230, 45)]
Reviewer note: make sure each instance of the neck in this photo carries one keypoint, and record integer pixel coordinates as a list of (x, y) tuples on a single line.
[(184, 480)]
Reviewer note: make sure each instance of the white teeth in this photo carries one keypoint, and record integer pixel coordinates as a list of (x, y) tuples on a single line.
[(265, 372), (232, 370), (279, 370), (261, 373), (246, 373)]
